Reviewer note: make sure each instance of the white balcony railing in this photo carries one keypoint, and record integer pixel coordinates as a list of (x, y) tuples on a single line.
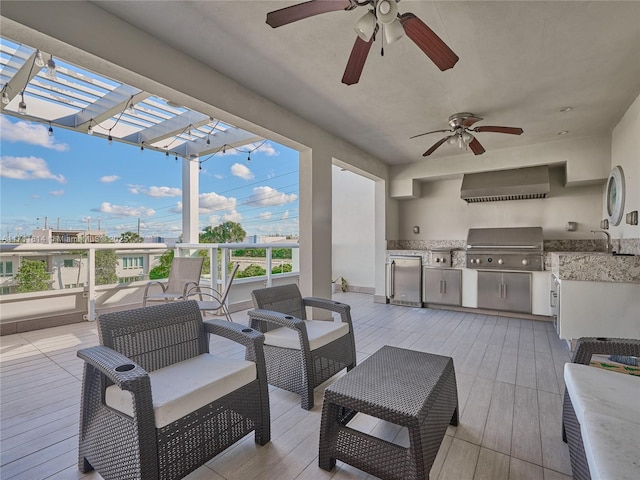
[(74, 294)]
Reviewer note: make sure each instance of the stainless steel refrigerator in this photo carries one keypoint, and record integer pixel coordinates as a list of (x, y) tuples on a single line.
[(404, 280)]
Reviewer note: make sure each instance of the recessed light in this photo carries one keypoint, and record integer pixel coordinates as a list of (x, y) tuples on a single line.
[(566, 109), (564, 132)]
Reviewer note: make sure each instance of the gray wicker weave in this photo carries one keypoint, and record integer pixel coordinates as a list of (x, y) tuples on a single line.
[(300, 370), (585, 348), (406, 387), (135, 342)]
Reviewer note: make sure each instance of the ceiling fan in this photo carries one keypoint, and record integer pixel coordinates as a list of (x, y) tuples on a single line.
[(382, 15), (460, 133)]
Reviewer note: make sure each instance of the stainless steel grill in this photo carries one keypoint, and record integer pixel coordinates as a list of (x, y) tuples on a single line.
[(515, 248)]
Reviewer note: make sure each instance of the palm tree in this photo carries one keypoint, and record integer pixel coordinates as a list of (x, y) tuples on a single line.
[(227, 232), (130, 237)]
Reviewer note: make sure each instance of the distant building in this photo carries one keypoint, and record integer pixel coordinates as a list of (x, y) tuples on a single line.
[(69, 269), (49, 235)]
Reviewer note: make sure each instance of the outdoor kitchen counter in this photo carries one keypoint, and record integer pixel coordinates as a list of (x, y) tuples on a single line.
[(595, 267), (458, 259)]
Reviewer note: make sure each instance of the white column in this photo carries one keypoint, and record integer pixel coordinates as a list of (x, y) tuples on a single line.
[(380, 248), (190, 190), (91, 288), (315, 223)]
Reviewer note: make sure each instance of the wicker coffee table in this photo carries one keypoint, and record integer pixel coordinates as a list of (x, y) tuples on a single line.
[(413, 389)]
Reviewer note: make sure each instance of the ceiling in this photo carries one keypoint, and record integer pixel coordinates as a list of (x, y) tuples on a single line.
[(520, 63)]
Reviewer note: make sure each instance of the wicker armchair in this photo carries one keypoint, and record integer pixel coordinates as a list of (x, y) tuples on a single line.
[(571, 429), (184, 274), (301, 354), (156, 404)]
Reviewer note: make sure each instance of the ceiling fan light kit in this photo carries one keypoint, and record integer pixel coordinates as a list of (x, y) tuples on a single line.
[(393, 31), (366, 26), (387, 10)]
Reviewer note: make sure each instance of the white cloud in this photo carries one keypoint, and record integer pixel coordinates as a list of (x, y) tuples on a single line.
[(267, 196), (266, 148), (109, 178), (285, 215), (218, 176), (232, 216), (265, 216), (57, 193), (242, 171), (156, 192), (27, 168), (124, 211), (211, 201), (288, 227), (31, 133), (177, 208), (35, 195)]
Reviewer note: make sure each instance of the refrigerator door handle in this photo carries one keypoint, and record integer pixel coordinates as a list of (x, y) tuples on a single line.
[(392, 272)]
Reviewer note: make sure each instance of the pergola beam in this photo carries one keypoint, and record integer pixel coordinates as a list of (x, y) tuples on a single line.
[(26, 71), (168, 128), (104, 108)]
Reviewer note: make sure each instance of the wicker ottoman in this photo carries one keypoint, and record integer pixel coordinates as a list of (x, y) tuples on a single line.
[(413, 389)]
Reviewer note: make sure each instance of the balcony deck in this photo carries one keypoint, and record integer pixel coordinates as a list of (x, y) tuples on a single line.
[(510, 385)]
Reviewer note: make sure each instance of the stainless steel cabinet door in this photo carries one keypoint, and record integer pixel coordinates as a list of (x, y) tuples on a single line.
[(452, 294), (510, 291), (516, 292), (442, 286)]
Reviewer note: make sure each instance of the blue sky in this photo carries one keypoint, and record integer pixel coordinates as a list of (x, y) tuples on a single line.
[(77, 180)]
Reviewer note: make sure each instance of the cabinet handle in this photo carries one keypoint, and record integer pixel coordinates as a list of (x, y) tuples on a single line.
[(504, 290), (552, 296), (444, 287)]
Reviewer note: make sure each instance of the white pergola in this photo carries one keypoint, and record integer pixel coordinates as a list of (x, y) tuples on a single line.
[(76, 99)]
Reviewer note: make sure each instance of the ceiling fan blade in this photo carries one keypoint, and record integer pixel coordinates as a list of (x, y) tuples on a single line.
[(509, 130), (356, 61), (427, 133), (428, 41), (475, 147), (467, 122), (435, 146), (291, 14)]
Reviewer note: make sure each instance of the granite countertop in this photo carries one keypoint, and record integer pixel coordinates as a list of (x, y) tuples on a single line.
[(595, 267)]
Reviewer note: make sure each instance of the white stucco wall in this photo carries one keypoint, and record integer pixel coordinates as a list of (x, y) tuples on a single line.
[(625, 151), (353, 222), (442, 215)]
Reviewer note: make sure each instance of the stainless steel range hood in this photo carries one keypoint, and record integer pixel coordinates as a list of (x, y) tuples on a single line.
[(516, 184)]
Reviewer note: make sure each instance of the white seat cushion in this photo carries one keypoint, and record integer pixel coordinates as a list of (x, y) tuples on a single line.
[(184, 387), (596, 390), (611, 446), (320, 333)]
